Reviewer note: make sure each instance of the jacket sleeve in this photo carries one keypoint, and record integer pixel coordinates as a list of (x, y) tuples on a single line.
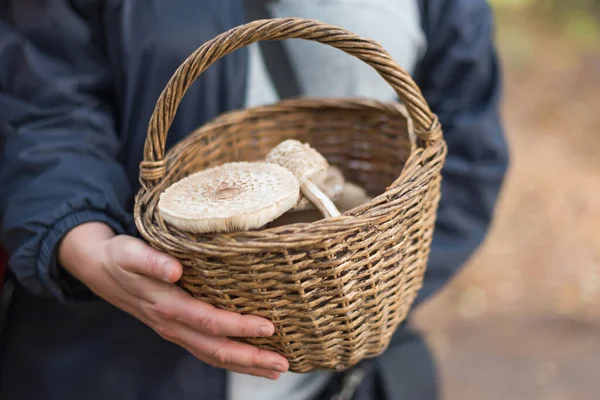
[(460, 77), (58, 160)]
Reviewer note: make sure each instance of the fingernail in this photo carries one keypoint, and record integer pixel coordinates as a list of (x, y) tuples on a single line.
[(280, 368), (265, 330), (273, 376), (167, 270)]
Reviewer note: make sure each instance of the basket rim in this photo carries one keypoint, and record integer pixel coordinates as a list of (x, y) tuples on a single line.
[(287, 236)]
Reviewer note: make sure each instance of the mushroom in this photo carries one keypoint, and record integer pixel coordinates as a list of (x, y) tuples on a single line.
[(332, 186), (350, 197), (310, 169), (232, 197)]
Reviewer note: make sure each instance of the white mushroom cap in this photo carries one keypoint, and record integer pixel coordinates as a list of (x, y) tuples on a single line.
[(232, 197), (305, 162), (332, 186)]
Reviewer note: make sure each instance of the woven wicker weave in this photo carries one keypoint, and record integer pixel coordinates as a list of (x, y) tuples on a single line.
[(336, 289)]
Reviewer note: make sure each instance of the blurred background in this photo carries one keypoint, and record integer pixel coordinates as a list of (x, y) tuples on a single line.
[(522, 320)]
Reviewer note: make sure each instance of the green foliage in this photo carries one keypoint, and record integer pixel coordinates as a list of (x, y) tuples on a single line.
[(577, 21), (582, 26), (547, 4), (519, 4)]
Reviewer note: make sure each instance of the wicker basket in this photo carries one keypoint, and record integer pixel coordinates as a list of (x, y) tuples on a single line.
[(336, 289)]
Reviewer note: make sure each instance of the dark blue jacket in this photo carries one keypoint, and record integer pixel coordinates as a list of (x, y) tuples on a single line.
[(78, 82)]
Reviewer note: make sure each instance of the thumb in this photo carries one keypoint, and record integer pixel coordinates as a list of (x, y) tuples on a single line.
[(134, 255)]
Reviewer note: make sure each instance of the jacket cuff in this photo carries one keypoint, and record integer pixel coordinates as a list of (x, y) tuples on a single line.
[(55, 279)]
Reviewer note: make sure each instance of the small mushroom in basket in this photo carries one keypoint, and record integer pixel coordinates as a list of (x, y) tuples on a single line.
[(232, 197), (309, 167), (351, 196), (332, 186)]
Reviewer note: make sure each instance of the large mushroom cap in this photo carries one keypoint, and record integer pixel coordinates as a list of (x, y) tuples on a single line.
[(232, 197), (305, 162)]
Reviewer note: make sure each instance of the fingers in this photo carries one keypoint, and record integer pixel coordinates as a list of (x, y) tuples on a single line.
[(168, 303), (255, 372), (191, 323), (227, 353), (195, 325), (198, 327), (216, 322), (224, 351), (135, 256)]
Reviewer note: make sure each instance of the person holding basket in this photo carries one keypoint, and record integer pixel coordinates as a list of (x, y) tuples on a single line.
[(95, 311)]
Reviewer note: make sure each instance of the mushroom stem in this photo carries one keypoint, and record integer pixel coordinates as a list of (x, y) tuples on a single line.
[(319, 199), (310, 169)]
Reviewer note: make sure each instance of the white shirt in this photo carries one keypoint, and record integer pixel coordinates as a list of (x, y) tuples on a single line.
[(324, 71)]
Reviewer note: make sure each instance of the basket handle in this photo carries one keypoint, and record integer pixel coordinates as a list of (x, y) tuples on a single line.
[(425, 123)]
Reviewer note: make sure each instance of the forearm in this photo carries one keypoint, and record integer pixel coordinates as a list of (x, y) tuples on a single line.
[(58, 167)]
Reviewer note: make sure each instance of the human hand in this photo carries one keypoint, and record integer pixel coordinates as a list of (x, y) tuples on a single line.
[(139, 280)]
